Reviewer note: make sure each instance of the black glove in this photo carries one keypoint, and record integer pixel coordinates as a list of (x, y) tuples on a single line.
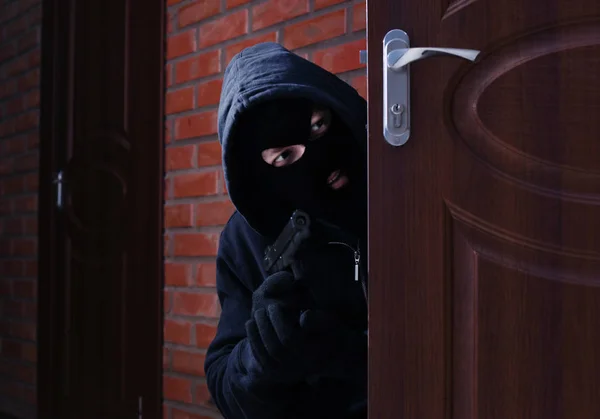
[(288, 340)]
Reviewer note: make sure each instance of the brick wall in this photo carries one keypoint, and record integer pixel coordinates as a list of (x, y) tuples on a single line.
[(202, 37), (19, 114)]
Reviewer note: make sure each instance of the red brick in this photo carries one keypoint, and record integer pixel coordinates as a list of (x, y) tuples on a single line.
[(233, 49), (35, 16), (15, 27), (26, 163), (29, 80), (169, 75), (320, 4), (227, 27), (178, 215), (178, 274), (196, 244), (200, 66), (31, 226), (34, 58), (27, 121), (32, 99), (209, 154), (234, 3), (206, 274), (29, 352), (13, 226), (7, 51), (11, 349), (177, 389), (275, 11), (197, 11), (214, 213), (166, 245), (341, 58), (359, 16), (360, 84), (30, 395), (198, 125), (8, 88), (24, 288), (26, 4), (33, 140), (9, 265), (188, 362), (5, 285), (22, 330), (13, 186), (17, 145), (202, 395), (17, 66), (32, 182), (29, 40), (178, 158), (195, 184), (179, 100), (318, 29), (223, 183), (12, 308), (168, 132), (195, 304), (205, 333), (25, 204), (181, 44), (14, 106), (167, 302), (31, 268), (182, 414), (209, 93), (9, 11), (178, 331), (170, 22), (166, 359), (172, 2)]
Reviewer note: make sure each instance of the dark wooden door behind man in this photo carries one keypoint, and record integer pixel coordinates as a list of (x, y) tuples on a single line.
[(100, 230), (485, 224)]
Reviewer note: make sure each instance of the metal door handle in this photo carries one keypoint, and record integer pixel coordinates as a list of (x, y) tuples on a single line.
[(397, 56)]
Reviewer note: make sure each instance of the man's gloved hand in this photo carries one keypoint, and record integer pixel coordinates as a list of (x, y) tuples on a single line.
[(288, 340)]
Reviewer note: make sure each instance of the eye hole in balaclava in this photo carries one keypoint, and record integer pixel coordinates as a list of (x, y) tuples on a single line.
[(303, 156)]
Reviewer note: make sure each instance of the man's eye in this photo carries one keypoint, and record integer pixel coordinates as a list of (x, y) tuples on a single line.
[(281, 159), (320, 124)]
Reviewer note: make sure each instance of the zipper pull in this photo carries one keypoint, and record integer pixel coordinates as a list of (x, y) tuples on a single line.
[(356, 265)]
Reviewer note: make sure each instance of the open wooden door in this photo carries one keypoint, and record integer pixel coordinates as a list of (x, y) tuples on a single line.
[(485, 225), (100, 287)]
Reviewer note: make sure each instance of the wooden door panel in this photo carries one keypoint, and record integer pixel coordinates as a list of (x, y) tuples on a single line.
[(484, 265), (524, 326), (98, 177)]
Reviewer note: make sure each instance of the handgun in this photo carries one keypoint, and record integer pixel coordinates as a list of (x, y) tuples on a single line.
[(280, 255)]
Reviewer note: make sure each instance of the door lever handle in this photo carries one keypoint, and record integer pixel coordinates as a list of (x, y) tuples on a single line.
[(397, 55), (400, 58)]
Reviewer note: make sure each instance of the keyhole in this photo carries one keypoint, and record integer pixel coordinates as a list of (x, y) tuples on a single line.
[(397, 112)]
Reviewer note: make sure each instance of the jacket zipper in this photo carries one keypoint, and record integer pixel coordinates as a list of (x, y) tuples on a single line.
[(357, 276)]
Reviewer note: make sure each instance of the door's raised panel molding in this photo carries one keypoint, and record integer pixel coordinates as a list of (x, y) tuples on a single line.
[(452, 7), (517, 252), (541, 150)]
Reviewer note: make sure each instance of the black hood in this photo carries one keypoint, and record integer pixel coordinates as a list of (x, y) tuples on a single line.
[(265, 72)]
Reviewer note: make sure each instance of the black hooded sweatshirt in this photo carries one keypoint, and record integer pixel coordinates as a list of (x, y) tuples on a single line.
[(261, 73)]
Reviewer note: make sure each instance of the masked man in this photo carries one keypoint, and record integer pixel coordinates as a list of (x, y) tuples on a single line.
[(291, 346)]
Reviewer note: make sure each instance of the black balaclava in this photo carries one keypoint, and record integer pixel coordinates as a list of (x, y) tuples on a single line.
[(303, 184)]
